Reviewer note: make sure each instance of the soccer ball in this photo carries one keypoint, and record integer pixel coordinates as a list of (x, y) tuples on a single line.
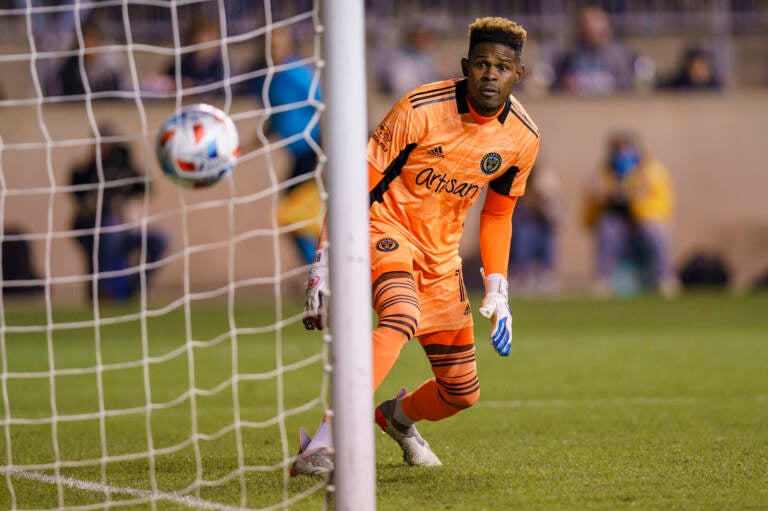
[(198, 146)]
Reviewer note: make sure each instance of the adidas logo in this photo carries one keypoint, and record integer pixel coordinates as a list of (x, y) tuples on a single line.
[(437, 151)]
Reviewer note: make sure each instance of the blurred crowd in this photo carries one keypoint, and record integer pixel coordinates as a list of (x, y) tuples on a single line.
[(587, 59), (627, 207)]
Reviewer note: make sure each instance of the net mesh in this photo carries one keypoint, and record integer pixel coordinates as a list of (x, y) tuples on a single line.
[(150, 335)]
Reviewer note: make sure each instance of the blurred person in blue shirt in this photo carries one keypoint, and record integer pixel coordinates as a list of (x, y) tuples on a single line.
[(291, 84)]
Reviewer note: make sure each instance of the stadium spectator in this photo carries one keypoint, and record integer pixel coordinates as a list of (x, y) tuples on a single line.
[(408, 66), (17, 264), (116, 214), (697, 71), (295, 90), (105, 70), (200, 67), (597, 63), (534, 228), (56, 29), (629, 207), (428, 161)]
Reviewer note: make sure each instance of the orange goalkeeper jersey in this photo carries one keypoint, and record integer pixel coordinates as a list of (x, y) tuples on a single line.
[(436, 158)]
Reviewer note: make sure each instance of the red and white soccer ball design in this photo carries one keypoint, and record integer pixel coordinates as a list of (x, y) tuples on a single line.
[(198, 146)]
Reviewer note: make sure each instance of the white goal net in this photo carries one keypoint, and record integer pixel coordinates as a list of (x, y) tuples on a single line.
[(150, 335)]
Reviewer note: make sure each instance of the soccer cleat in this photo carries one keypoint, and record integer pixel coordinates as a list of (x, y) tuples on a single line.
[(313, 462), (416, 450)]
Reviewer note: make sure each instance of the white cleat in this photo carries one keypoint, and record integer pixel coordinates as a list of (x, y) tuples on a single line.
[(416, 450), (313, 462)]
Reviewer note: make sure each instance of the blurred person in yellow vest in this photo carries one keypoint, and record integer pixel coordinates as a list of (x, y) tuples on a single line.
[(302, 211), (629, 206)]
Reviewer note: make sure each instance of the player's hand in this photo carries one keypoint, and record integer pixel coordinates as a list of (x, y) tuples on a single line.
[(315, 303), (495, 307)]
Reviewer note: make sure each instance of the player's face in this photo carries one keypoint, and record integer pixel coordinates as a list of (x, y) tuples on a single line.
[(491, 69)]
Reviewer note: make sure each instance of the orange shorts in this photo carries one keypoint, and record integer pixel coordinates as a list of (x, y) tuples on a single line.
[(442, 295)]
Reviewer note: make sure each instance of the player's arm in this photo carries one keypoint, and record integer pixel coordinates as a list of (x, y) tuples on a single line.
[(495, 235), (496, 231)]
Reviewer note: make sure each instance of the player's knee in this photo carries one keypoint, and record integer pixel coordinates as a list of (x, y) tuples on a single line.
[(468, 400), (397, 304), (400, 321), (461, 395)]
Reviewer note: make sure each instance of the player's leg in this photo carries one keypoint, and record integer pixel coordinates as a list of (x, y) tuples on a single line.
[(396, 303), (395, 299), (397, 307), (447, 337), (454, 386), (656, 238), (612, 236)]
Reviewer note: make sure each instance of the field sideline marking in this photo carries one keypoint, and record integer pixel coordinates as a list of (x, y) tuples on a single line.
[(639, 400), (133, 492)]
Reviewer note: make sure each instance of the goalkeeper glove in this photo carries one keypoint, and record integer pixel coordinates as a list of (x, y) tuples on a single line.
[(496, 308), (315, 306)]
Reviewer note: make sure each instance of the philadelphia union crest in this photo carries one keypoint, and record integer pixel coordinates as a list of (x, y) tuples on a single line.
[(490, 163), (387, 245)]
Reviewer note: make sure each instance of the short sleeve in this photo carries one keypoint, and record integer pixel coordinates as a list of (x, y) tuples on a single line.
[(399, 128), (512, 182)]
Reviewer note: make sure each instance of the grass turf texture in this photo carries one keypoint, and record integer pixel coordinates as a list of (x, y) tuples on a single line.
[(637, 403)]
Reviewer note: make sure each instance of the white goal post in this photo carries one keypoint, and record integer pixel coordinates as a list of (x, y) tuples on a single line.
[(349, 257), (188, 389)]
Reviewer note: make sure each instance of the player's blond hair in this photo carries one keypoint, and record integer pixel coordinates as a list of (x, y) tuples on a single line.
[(494, 29)]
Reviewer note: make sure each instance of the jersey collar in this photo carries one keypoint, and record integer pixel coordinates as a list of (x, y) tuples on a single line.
[(463, 107)]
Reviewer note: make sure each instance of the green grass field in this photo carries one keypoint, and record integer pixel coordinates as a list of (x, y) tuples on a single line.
[(637, 403)]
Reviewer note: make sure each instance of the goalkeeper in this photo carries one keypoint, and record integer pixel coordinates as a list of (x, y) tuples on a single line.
[(428, 161)]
